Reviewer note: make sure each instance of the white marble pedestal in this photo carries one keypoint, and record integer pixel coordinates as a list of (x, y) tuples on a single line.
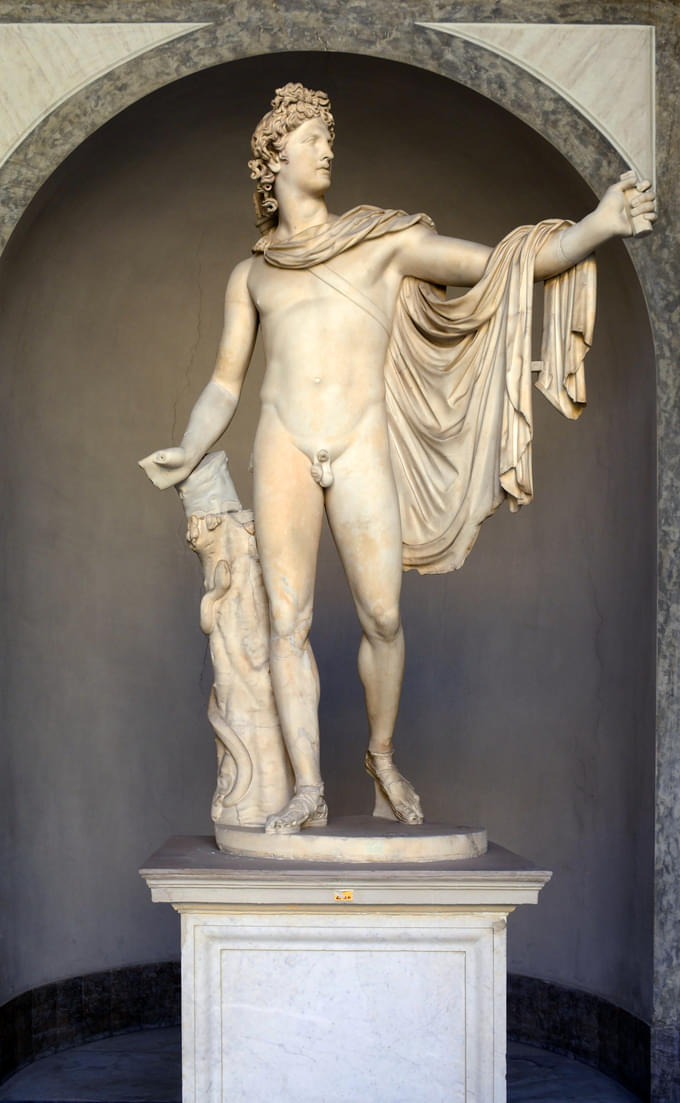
[(323, 984)]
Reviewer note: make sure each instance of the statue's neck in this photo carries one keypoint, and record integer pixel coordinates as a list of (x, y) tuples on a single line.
[(298, 213)]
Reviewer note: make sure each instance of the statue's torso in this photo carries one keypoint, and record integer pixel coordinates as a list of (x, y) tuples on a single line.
[(324, 353)]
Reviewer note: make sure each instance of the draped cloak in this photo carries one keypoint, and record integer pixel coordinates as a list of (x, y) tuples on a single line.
[(458, 377)]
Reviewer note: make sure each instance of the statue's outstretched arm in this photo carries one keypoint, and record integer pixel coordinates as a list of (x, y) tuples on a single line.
[(627, 208), (217, 403)]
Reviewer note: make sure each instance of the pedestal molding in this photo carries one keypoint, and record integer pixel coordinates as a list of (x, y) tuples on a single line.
[(190, 871)]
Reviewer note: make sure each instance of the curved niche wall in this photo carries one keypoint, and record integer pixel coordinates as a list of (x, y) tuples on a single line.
[(528, 698)]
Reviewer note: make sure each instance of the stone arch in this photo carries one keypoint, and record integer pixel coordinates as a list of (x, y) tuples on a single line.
[(476, 67)]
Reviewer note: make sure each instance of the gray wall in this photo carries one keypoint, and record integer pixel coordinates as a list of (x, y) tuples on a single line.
[(528, 699)]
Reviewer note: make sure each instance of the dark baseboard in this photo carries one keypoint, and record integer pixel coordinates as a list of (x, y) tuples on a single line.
[(665, 1064), (580, 1025), (71, 1012)]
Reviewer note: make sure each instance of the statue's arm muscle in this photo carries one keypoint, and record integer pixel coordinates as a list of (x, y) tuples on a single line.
[(217, 402), (239, 332), (446, 260)]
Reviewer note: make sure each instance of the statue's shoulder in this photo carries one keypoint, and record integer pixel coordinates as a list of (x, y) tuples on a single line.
[(385, 221), (244, 266), (237, 285)]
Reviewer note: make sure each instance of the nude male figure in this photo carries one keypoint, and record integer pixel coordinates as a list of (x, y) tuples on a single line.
[(322, 441)]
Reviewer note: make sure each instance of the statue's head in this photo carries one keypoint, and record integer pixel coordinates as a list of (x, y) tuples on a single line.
[(292, 106)]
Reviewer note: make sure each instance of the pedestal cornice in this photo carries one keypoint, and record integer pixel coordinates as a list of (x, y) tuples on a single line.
[(190, 871)]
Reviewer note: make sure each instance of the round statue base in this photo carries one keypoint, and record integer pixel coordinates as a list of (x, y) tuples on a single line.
[(358, 839)]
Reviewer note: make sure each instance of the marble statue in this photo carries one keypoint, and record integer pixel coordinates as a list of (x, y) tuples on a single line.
[(404, 415)]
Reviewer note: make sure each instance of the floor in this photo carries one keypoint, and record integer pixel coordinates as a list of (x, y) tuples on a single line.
[(145, 1068)]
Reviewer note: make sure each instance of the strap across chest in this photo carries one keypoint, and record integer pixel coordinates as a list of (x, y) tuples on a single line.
[(333, 279)]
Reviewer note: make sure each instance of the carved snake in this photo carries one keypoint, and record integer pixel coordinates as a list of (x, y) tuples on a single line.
[(237, 750)]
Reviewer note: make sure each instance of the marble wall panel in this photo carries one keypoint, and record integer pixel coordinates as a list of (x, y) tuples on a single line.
[(43, 64), (606, 72)]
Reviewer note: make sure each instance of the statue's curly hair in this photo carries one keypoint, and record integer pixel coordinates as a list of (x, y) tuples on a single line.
[(292, 105)]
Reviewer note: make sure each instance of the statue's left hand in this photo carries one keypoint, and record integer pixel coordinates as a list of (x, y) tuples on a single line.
[(167, 468), (628, 207)]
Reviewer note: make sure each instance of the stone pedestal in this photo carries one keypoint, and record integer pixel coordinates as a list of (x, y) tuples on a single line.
[(320, 982)]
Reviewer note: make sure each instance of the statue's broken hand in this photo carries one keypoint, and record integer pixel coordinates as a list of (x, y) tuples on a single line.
[(628, 207), (167, 467)]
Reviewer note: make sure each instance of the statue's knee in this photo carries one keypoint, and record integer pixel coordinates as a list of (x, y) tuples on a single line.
[(289, 627), (384, 623)]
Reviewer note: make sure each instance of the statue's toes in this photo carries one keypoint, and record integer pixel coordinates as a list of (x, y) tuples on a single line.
[(409, 815), (306, 809), (410, 811), (281, 825)]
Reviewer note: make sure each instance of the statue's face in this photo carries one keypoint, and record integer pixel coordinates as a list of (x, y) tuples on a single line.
[(305, 161)]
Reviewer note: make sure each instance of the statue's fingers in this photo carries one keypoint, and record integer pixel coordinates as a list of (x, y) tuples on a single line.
[(643, 185), (643, 208), (642, 199)]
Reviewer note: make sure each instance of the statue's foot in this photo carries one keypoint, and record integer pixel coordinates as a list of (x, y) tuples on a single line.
[(395, 797), (306, 809)]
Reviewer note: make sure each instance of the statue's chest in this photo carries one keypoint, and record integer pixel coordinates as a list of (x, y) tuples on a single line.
[(276, 289)]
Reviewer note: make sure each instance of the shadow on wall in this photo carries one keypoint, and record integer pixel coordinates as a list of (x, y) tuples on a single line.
[(528, 693)]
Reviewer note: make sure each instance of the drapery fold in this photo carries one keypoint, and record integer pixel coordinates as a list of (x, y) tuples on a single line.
[(458, 378)]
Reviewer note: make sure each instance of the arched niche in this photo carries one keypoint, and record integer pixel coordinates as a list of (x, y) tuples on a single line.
[(528, 699)]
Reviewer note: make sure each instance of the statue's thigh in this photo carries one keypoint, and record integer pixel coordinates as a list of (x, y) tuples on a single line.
[(363, 513), (288, 515)]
